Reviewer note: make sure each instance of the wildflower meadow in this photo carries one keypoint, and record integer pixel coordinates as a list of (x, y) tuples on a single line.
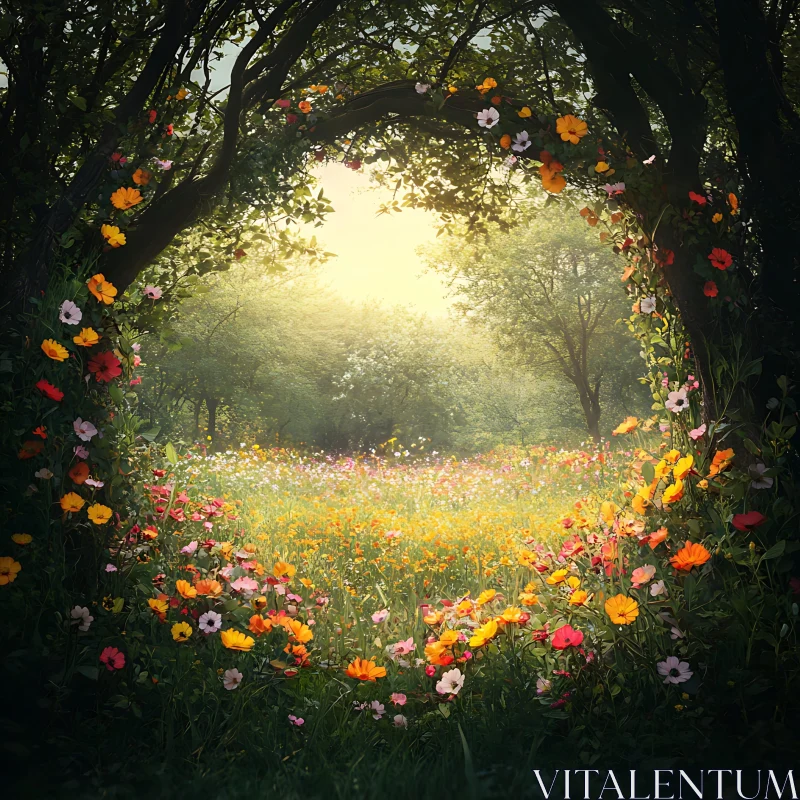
[(266, 535)]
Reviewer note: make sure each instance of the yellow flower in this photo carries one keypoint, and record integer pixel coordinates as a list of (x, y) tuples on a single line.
[(528, 598), (672, 493), (573, 582), (158, 606), (487, 85), (125, 198), (683, 467), (629, 424), (52, 349), (608, 510), (99, 514), (512, 614), (559, 576), (448, 638), (236, 640), (622, 610), (484, 634), (8, 570), (88, 337), (22, 538), (486, 596), (113, 235), (181, 631), (571, 129), (72, 502), (282, 569), (524, 112), (186, 590), (601, 166), (104, 291), (578, 597)]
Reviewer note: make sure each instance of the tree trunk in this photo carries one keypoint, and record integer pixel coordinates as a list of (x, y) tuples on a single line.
[(212, 404)]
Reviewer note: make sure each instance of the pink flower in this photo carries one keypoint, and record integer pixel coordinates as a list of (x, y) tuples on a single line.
[(293, 720), (404, 648), (153, 292), (380, 616), (231, 679), (80, 451), (698, 432), (430, 670), (110, 568), (84, 430), (112, 658), (398, 698), (400, 721), (283, 103), (245, 585), (189, 549), (642, 575)]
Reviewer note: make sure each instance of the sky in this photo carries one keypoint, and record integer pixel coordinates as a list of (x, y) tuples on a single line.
[(376, 256)]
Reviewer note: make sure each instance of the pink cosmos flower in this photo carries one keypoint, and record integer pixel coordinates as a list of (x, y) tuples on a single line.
[(404, 648), (69, 313), (398, 698), (110, 568), (380, 616), (189, 549), (245, 585), (400, 721), (153, 292), (293, 720), (673, 670), (231, 679), (80, 451)]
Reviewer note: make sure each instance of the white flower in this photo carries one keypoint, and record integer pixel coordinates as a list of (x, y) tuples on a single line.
[(650, 160), (521, 142), (70, 314), (95, 484), (231, 679), (677, 401), (400, 721), (85, 430), (422, 88), (673, 670), (81, 617), (43, 473), (210, 622), (488, 118), (657, 588), (648, 305), (451, 682), (543, 685), (760, 480), (378, 709)]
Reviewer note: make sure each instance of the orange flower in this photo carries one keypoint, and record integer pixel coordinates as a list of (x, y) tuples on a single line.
[(259, 625), (302, 633), (79, 472), (282, 569), (52, 349), (690, 555), (683, 467), (578, 598), (113, 235), (209, 587), (88, 337), (8, 570), (365, 670), (505, 141), (142, 177), (734, 203), (552, 181), (236, 640), (721, 461), (125, 198), (622, 610), (186, 590), (655, 539), (626, 426), (104, 291), (304, 106), (571, 129), (72, 502), (589, 216)]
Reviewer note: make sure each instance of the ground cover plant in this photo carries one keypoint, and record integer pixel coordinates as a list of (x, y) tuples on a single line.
[(188, 612)]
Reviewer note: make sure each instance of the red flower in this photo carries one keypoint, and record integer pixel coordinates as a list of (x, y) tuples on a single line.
[(112, 658), (30, 449), (665, 257), (151, 116), (40, 431), (50, 391), (240, 253), (710, 289), (105, 366), (697, 198), (291, 119), (566, 636), (748, 521), (719, 258), (170, 129), (283, 103)]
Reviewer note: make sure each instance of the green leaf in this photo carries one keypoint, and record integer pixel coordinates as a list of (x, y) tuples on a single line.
[(116, 394), (171, 453), (648, 472), (78, 101), (776, 551)]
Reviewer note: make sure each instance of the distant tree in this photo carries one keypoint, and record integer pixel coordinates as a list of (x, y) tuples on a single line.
[(550, 294)]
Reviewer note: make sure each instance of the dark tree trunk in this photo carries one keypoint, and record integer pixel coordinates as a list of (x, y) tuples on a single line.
[(212, 404)]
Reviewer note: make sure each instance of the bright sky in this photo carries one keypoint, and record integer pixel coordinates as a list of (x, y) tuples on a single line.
[(376, 257)]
